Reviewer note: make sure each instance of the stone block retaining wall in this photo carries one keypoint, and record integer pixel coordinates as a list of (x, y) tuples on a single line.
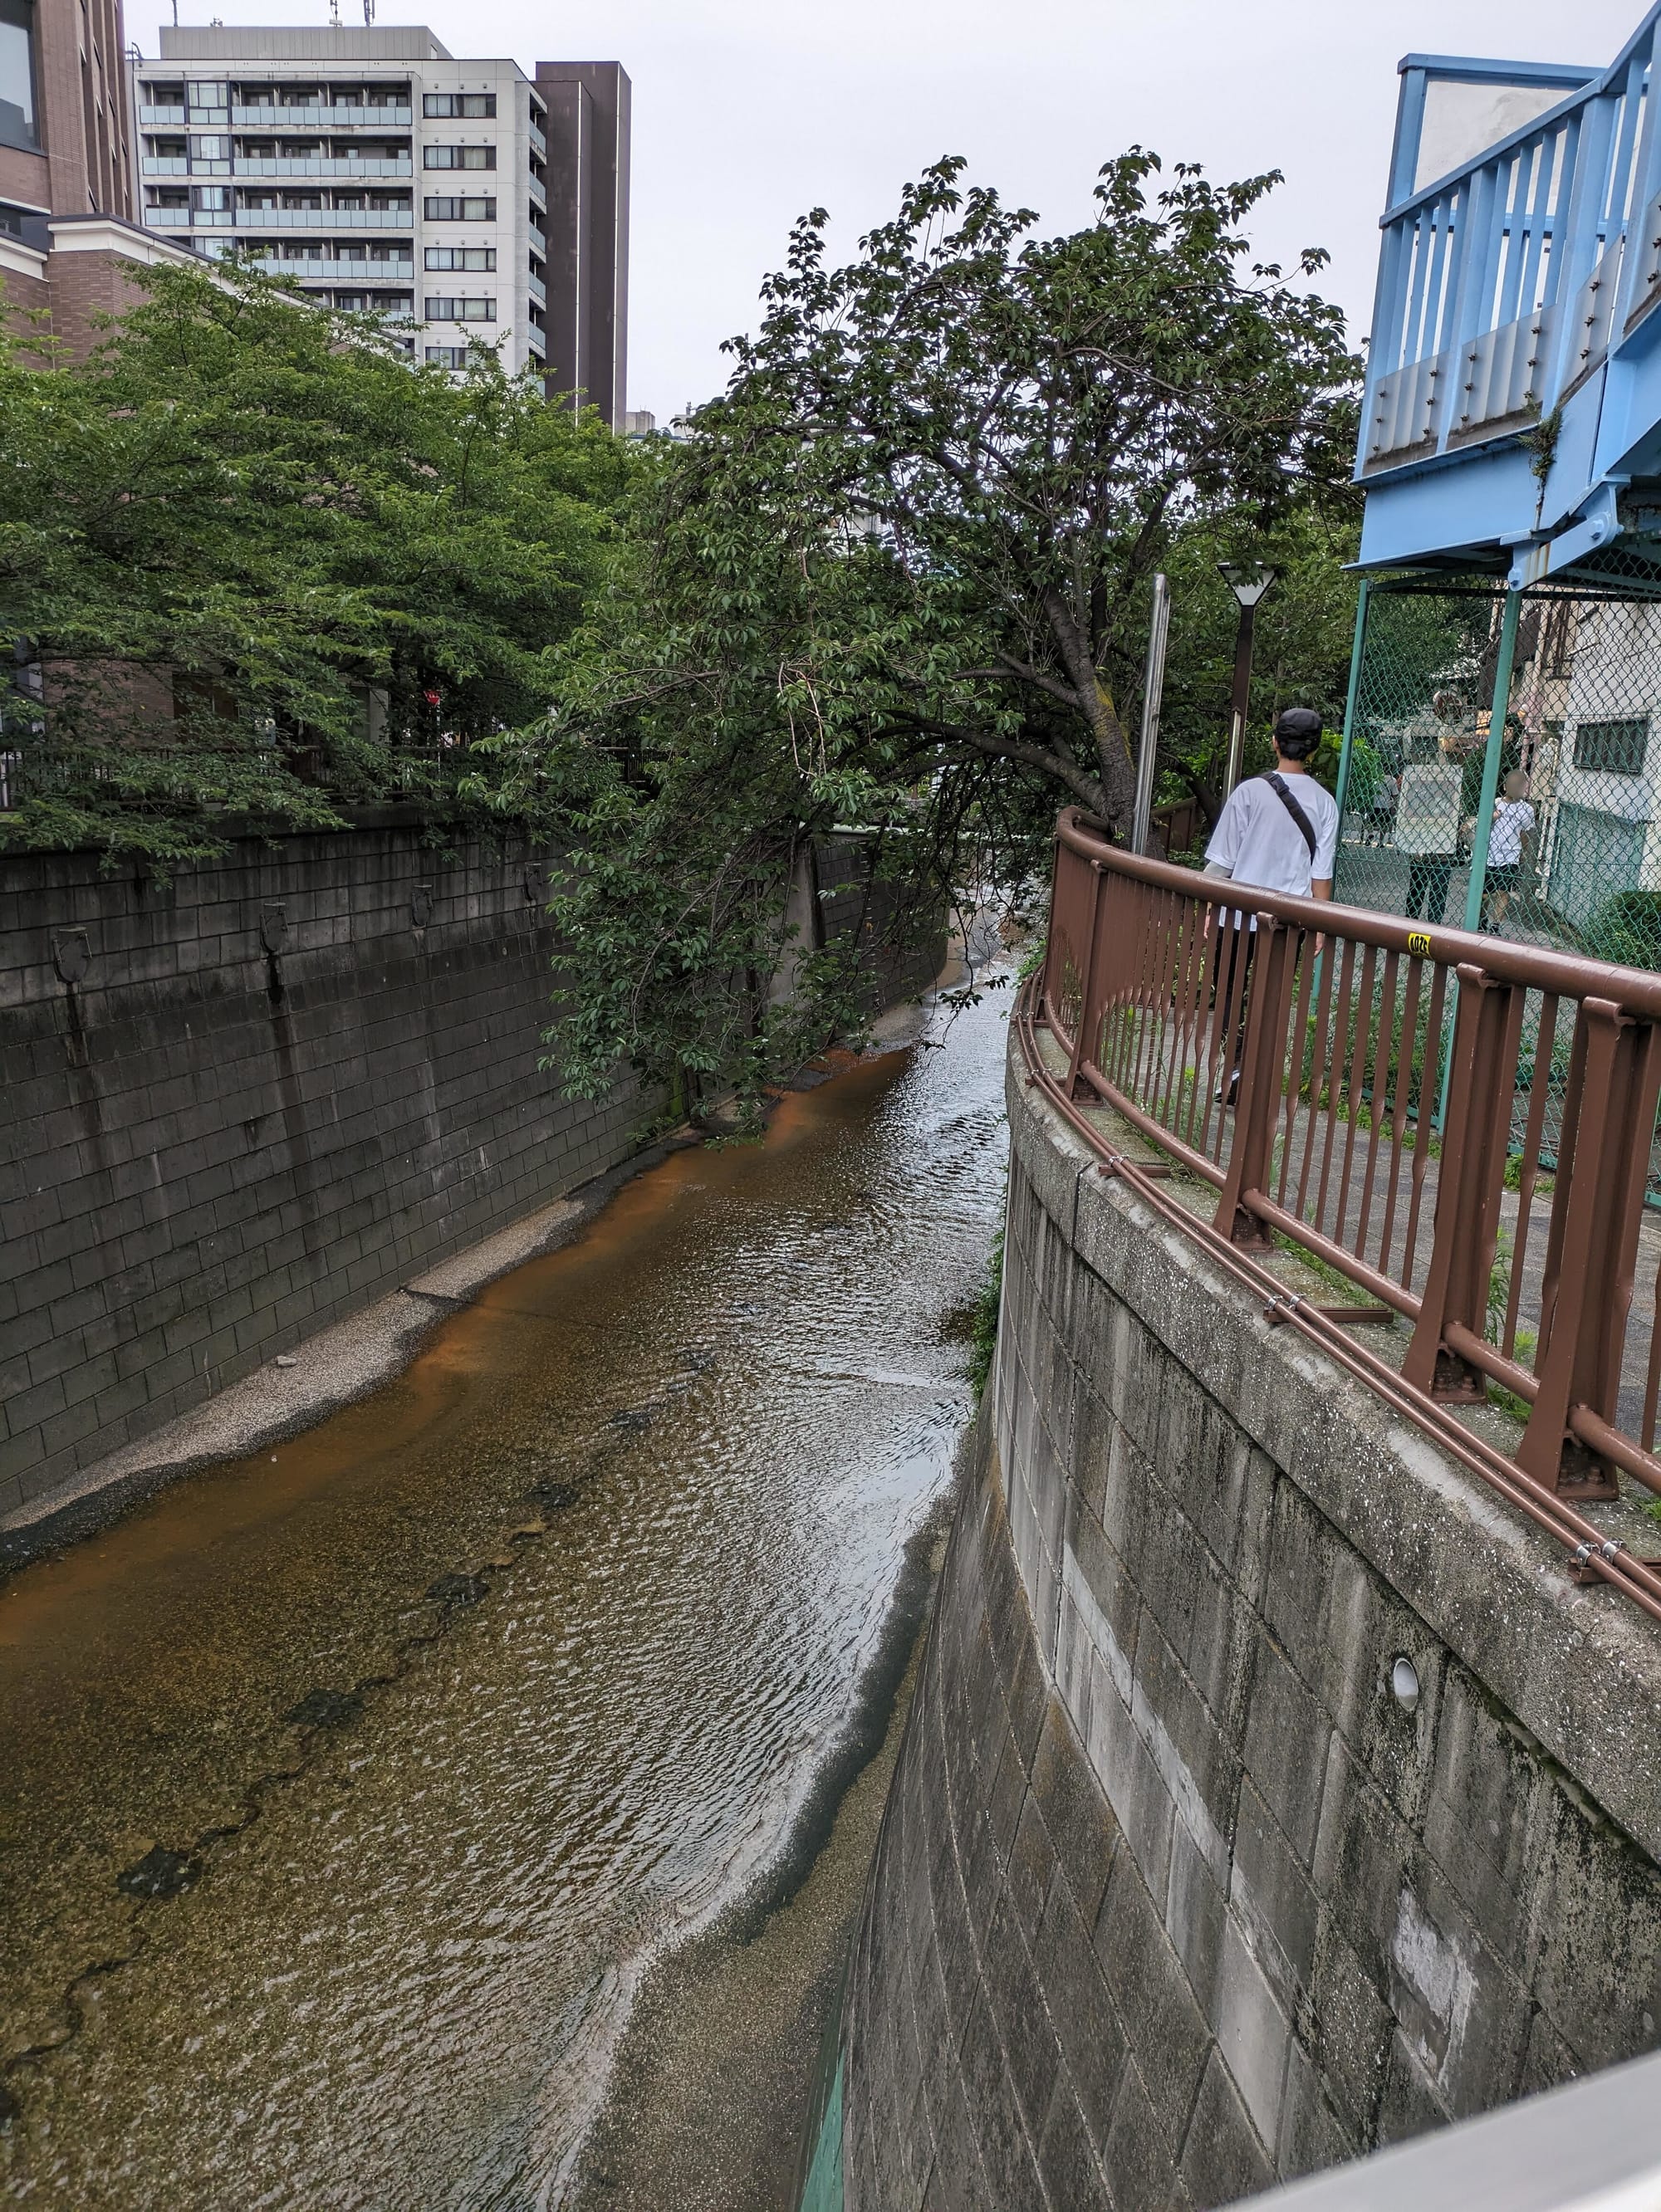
[(241, 1106), (1174, 1896)]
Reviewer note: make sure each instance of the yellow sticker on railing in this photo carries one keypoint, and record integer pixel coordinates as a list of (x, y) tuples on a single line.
[(1418, 944)]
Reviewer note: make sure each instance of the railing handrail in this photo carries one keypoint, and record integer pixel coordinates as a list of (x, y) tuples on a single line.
[(1463, 1128), (1535, 967)]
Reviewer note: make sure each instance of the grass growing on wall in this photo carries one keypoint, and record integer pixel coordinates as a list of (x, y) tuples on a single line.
[(984, 1330)]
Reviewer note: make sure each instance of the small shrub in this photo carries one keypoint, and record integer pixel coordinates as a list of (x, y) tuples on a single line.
[(1626, 929)]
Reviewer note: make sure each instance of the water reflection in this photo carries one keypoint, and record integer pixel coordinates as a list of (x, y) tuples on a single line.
[(456, 1707)]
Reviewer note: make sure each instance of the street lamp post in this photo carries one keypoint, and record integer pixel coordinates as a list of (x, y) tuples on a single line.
[(1248, 580), (1153, 691)]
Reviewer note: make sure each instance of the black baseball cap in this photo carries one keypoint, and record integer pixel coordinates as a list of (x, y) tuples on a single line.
[(1297, 732)]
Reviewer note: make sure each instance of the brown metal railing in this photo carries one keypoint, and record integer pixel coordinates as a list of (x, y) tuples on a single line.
[(1464, 1129)]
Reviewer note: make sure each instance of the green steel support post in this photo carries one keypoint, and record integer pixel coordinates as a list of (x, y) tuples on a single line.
[(1479, 851), (1356, 652)]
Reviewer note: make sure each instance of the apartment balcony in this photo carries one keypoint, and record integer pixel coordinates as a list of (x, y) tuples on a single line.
[(538, 198), (539, 289), (325, 218), (148, 117), (539, 144), (165, 165), (323, 165), (288, 118), (264, 219), (318, 269)]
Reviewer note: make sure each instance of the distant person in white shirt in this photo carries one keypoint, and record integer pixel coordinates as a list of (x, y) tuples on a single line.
[(1279, 831), (1513, 821)]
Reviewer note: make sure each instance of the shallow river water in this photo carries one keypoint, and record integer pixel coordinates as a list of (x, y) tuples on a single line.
[(431, 1727)]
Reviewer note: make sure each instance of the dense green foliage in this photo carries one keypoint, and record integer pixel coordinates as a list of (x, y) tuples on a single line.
[(897, 576), (271, 570), (1626, 929)]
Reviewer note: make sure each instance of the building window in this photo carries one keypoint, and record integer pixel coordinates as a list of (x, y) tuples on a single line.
[(447, 357), (456, 309), (17, 117), (461, 211), (461, 257), (210, 103), (28, 225), (1612, 748), (460, 103), (350, 303), (459, 157)]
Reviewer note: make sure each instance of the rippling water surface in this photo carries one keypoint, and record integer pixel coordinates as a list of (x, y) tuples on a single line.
[(659, 1484)]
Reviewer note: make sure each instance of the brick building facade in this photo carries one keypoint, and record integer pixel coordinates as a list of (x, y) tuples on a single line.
[(69, 248)]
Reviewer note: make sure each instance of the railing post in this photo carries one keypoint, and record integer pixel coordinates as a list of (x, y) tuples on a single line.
[(1091, 962), (1051, 996), (1593, 1251), (1469, 1178), (1262, 1065)]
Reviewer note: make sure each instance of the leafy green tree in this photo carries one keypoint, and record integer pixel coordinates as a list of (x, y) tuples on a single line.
[(1305, 630), (268, 567), (897, 576)]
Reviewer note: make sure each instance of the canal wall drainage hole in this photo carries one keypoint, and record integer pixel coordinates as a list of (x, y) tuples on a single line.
[(164, 1873)]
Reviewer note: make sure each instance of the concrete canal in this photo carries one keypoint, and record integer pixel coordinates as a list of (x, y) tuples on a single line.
[(352, 1790)]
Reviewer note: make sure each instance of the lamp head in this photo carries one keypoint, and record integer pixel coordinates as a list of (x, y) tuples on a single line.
[(1247, 579)]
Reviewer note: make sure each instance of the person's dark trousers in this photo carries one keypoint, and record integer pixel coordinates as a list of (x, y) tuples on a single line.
[(1428, 883)]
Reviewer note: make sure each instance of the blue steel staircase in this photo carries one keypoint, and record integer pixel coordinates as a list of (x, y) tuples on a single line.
[(1512, 414)]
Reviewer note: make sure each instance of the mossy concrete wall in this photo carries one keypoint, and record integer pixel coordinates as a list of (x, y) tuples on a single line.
[(1174, 1897)]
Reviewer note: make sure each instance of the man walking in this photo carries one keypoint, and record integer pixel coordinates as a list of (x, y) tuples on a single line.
[(1279, 831)]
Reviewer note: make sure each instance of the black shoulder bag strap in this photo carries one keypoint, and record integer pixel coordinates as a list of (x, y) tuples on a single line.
[(1277, 784)]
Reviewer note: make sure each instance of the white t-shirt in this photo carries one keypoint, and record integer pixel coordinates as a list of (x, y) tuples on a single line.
[(1513, 820), (1258, 843)]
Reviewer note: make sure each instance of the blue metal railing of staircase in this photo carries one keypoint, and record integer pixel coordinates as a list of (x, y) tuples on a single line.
[(1509, 290)]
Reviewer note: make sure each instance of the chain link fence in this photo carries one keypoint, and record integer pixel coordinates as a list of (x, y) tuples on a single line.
[(1546, 831)]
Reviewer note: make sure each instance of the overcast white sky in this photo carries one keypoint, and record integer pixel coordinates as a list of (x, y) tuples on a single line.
[(749, 111)]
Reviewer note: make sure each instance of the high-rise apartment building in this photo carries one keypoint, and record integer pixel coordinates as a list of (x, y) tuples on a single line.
[(379, 170), (588, 124), (67, 242)]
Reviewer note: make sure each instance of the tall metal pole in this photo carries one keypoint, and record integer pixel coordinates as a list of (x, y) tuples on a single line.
[(1357, 652), (1242, 702), (1479, 848), (1153, 691)]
